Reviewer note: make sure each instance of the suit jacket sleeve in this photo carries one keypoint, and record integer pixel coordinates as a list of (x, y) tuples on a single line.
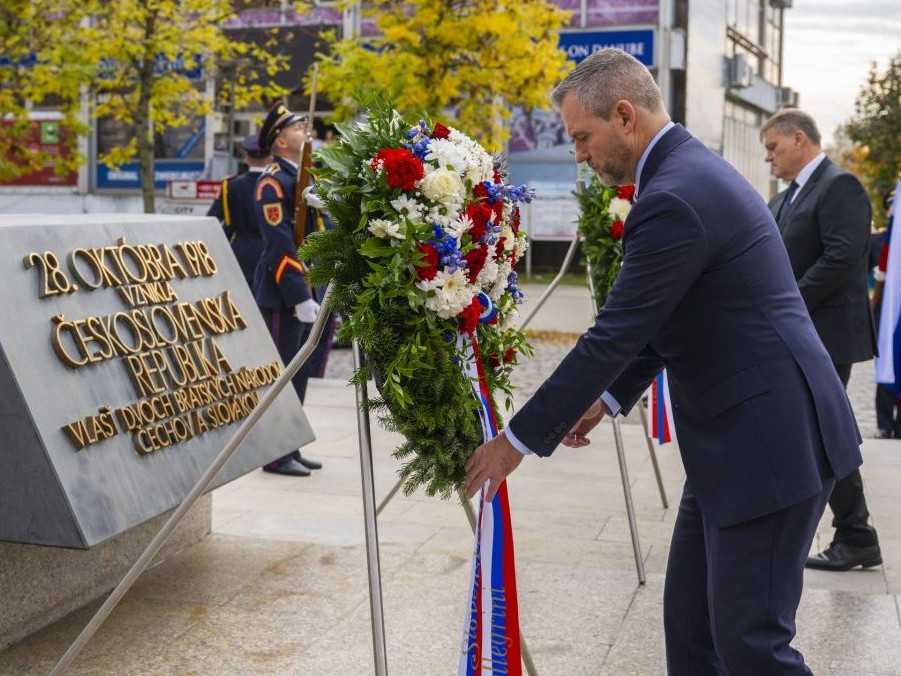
[(275, 212), (665, 251), (632, 383), (843, 216)]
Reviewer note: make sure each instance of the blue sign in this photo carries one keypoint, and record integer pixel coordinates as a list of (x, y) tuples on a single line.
[(129, 175), (638, 43)]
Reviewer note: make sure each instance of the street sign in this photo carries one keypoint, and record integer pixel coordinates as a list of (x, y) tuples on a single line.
[(582, 44)]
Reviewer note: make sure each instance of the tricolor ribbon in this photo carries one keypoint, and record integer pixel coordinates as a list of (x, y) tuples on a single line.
[(491, 629), (661, 410)]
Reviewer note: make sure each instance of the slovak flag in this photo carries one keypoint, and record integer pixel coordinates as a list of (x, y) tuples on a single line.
[(888, 363), (661, 410)]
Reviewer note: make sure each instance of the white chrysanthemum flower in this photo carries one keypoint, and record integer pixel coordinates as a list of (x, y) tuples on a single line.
[(509, 237), (441, 215), (444, 186), (620, 208), (479, 165), (447, 155), (458, 226), (448, 293), (409, 207), (385, 229)]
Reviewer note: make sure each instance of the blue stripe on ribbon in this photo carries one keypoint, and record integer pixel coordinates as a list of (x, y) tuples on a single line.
[(498, 596)]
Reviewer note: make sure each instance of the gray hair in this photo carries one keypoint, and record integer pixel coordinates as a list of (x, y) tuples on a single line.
[(789, 120), (608, 76)]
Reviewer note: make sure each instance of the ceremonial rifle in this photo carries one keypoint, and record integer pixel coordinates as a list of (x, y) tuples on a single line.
[(303, 177)]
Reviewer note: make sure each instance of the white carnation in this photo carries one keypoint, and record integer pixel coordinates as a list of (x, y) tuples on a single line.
[(620, 208), (444, 186), (509, 237), (385, 229)]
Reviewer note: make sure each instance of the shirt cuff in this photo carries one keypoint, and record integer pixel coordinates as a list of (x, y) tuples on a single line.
[(612, 404), (516, 443)]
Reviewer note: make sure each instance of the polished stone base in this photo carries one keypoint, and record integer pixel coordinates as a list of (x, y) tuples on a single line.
[(39, 585)]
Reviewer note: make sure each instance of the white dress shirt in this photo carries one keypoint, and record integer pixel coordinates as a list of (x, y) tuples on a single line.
[(805, 173)]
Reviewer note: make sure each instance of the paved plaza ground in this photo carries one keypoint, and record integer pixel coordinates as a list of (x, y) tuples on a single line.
[(280, 586)]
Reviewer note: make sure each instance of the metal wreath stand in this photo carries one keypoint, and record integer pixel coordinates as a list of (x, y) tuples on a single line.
[(369, 507)]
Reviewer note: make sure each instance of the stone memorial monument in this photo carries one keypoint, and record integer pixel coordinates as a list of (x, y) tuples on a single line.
[(130, 350)]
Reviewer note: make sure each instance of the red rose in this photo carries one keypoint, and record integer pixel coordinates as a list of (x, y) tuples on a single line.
[(440, 131), (626, 192), (509, 355), (480, 191), (498, 177), (428, 268), (402, 168), (616, 230), (475, 261), (515, 220), (493, 361), (469, 318), (479, 214)]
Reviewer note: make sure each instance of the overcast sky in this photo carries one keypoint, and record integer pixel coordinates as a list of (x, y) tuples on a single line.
[(829, 45)]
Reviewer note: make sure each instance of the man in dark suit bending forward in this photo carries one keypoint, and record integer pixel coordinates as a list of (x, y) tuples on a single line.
[(706, 290)]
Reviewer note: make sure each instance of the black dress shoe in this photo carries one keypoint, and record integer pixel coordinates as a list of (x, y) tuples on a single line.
[(840, 556), (286, 467), (884, 434), (306, 462)]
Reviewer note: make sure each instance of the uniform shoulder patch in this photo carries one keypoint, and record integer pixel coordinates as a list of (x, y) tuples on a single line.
[(272, 213), (272, 168), (269, 181)]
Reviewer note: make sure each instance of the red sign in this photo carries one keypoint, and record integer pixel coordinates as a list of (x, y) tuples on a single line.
[(46, 136), (208, 190)]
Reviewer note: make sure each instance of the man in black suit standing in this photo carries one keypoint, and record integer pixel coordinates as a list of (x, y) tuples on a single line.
[(824, 216)]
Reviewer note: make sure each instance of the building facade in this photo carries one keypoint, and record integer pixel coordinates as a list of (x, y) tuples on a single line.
[(718, 62)]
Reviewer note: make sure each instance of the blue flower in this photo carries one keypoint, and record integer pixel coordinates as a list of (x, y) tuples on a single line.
[(519, 193)]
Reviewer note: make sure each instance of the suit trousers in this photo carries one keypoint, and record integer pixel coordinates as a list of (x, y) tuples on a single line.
[(731, 593), (888, 415), (847, 502)]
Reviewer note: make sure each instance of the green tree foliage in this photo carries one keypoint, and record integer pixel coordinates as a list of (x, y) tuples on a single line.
[(876, 131), (39, 65), (142, 53)]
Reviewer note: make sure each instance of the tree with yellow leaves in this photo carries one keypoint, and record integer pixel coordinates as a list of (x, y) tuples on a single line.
[(38, 66), (469, 61), (148, 57)]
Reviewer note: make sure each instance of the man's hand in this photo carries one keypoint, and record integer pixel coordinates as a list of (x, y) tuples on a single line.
[(576, 438), (307, 311), (492, 461)]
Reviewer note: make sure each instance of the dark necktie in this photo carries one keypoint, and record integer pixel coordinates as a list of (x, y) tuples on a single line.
[(783, 208)]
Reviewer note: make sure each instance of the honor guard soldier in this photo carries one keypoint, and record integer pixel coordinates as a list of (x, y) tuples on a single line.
[(287, 302), (236, 208)]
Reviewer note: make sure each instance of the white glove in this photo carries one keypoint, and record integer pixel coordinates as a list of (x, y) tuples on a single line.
[(312, 199), (307, 311)]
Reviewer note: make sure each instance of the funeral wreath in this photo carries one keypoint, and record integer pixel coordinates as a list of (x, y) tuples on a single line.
[(422, 253)]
